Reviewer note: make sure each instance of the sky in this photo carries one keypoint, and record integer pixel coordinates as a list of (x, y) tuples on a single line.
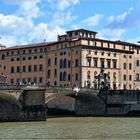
[(33, 21)]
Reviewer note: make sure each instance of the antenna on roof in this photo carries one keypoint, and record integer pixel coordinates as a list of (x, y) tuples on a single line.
[(44, 40)]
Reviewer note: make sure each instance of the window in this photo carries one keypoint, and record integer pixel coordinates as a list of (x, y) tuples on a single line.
[(137, 77), (69, 77), (35, 68), (76, 63), (12, 81), (12, 59), (69, 63), (64, 76), (30, 51), (137, 63), (89, 62), (18, 59), (124, 77), (40, 79), (41, 49), (40, 56), (76, 76), (35, 50), (35, 80), (114, 86), (24, 68), (35, 57), (61, 76), (88, 75), (49, 74), (23, 81), (124, 86), (7, 53), (76, 33), (70, 34), (18, 52), (124, 56), (102, 63), (130, 77), (89, 52), (137, 51), (114, 64), (76, 52), (61, 63), (130, 66), (55, 83), (64, 63), (40, 67), (55, 61), (24, 51), (108, 54), (108, 63), (12, 69), (55, 73), (95, 52), (130, 56), (3, 56), (29, 58), (18, 69), (114, 54), (95, 63), (23, 58), (95, 75), (102, 53), (49, 62), (29, 68), (124, 65)]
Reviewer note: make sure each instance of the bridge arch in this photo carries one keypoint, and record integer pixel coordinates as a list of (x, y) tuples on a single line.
[(9, 106)]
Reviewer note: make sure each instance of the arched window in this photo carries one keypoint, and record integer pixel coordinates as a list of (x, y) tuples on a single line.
[(61, 76), (64, 76), (49, 74), (137, 77), (64, 63), (61, 63)]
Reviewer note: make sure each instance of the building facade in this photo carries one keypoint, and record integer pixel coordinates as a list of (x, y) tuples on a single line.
[(75, 59)]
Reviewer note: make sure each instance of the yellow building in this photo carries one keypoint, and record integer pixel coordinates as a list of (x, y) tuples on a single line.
[(75, 59)]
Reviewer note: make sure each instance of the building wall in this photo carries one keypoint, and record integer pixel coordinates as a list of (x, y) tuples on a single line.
[(137, 69), (66, 62)]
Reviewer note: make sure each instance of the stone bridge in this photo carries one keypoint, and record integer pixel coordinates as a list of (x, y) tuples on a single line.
[(86, 101)]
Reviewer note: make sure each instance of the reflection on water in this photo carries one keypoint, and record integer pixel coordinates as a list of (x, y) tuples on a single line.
[(73, 128)]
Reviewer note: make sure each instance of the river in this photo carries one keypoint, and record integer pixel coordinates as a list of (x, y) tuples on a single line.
[(73, 128)]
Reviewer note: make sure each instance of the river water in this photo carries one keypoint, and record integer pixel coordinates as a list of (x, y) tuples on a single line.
[(73, 128)]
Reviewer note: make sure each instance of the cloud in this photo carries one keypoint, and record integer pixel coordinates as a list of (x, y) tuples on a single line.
[(112, 34), (24, 25), (128, 19), (62, 4), (93, 20)]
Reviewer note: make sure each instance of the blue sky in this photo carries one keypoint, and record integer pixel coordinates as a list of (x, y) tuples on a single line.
[(32, 21)]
